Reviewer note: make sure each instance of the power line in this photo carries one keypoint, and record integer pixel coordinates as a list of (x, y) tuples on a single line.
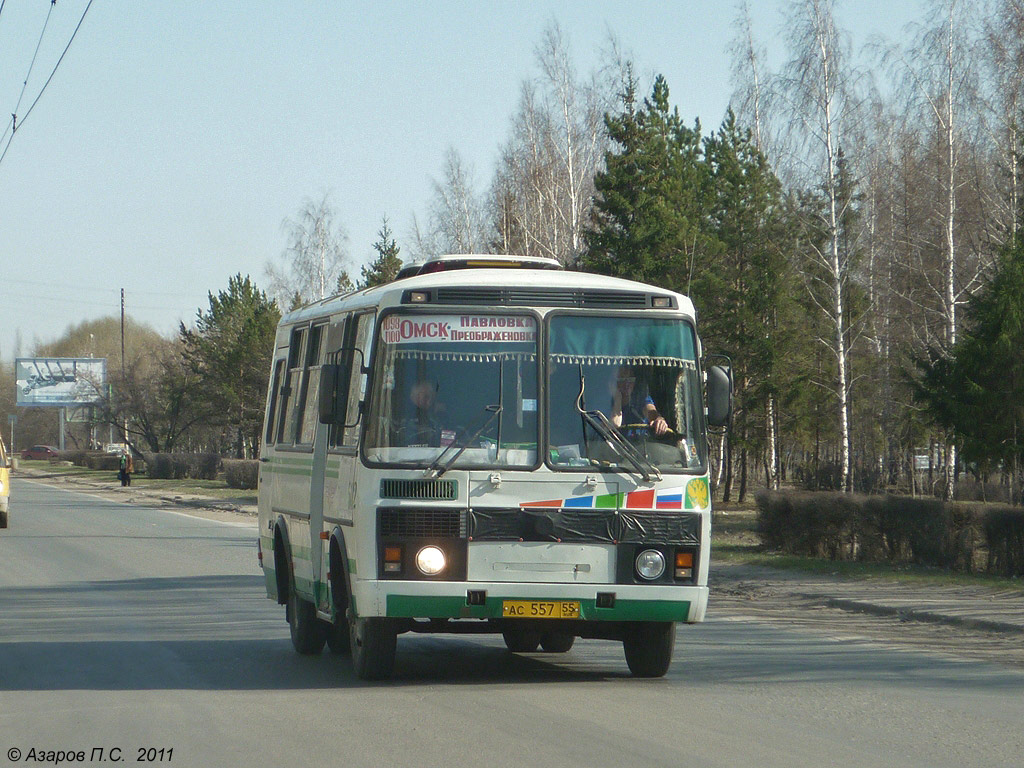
[(86, 302), (13, 122), (43, 89), (95, 288)]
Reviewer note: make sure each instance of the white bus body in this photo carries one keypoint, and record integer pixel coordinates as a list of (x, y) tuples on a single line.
[(440, 455)]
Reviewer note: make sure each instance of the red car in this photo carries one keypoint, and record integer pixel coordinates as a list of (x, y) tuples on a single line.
[(39, 452)]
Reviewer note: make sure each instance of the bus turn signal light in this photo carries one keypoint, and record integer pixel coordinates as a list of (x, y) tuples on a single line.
[(684, 565), (392, 559)]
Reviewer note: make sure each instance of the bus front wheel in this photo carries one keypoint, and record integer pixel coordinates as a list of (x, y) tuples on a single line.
[(556, 642), (307, 631), (520, 640), (373, 641), (648, 646)]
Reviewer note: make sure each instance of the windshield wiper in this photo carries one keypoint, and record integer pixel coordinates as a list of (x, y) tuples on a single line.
[(432, 470), (614, 439)]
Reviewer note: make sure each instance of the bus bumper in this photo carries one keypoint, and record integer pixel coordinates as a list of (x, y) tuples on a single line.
[(597, 602)]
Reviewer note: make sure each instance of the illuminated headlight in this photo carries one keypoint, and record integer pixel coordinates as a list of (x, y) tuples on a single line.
[(430, 561), (650, 564)]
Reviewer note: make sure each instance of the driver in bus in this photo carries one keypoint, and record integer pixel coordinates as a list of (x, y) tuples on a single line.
[(421, 425), (633, 411)]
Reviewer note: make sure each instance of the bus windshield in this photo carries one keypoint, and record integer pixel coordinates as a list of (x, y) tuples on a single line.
[(624, 395), (455, 390)]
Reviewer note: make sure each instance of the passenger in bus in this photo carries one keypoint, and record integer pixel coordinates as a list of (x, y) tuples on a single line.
[(632, 409)]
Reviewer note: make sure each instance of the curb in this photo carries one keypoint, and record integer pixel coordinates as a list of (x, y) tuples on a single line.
[(913, 614), (207, 504)]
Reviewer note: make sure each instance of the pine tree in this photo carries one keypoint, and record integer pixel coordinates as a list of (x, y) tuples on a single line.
[(740, 286), (646, 212), (230, 349), (385, 267), (977, 390)]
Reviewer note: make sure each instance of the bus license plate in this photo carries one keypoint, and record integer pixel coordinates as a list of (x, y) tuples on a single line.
[(540, 609)]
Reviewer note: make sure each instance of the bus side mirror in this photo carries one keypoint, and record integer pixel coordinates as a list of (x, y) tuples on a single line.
[(334, 385), (328, 402), (719, 395)]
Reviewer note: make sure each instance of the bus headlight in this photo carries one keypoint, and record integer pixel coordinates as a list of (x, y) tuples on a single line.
[(430, 560), (650, 564)]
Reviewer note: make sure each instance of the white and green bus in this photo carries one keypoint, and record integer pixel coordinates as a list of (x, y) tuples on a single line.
[(490, 444)]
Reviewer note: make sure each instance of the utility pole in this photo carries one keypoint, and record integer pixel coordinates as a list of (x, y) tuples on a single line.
[(122, 333), (125, 426)]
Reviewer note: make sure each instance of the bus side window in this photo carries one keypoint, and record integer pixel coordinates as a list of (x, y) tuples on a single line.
[(275, 392), (305, 429), (289, 404)]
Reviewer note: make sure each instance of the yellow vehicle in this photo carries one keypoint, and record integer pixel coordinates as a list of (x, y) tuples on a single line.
[(5, 485)]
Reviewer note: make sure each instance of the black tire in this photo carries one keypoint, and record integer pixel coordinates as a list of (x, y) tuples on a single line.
[(3, 518), (557, 642), (338, 638), (308, 633), (373, 641), (521, 640), (648, 646)]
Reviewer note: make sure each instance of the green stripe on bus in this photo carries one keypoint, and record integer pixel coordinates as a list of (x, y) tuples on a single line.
[(454, 607), (300, 471), (292, 460)]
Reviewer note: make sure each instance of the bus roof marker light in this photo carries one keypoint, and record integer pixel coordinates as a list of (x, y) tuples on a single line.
[(661, 302), (418, 297)]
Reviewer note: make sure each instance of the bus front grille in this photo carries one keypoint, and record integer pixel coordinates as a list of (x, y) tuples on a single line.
[(420, 490), (422, 523)]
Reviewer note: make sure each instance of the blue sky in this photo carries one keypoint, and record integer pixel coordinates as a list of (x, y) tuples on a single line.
[(176, 137)]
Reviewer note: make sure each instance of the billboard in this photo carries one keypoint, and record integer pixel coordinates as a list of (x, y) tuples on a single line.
[(60, 381)]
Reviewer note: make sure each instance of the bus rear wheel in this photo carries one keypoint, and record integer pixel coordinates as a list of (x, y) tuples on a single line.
[(3, 518), (373, 642), (648, 646), (308, 633)]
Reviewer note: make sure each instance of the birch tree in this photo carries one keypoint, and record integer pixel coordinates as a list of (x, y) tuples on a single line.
[(816, 90), (1003, 45), (315, 262), (457, 220), (750, 103), (542, 192), (939, 84)]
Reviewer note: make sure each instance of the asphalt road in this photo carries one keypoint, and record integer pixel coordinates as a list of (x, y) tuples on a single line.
[(130, 628)]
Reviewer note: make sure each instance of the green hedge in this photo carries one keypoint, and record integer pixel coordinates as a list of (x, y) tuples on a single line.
[(241, 473), (92, 459), (106, 461), (895, 529), (176, 466), (1004, 538)]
